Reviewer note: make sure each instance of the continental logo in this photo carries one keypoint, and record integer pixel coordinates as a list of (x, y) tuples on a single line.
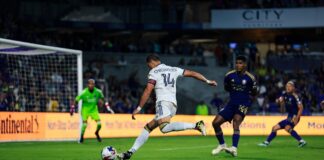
[(20, 125)]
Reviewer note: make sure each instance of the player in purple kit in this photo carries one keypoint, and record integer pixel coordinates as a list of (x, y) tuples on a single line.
[(241, 86), (294, 108)]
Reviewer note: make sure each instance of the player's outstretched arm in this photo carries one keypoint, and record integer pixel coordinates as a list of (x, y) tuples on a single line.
[(72, 107), (109, 108), (76, 101), (146, 94), (198, 76)]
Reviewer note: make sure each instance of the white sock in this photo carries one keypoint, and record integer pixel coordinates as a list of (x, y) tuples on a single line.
[(178, 126), (140, 140)]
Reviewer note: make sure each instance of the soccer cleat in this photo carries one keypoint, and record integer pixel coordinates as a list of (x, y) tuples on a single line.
[(264, 144), (219, 148), (200, 126), (231, 150), (125, 155), (98, 137), (302, 143)]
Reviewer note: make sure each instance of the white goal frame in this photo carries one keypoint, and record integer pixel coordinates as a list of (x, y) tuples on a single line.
[(72, 51), (78, 53)]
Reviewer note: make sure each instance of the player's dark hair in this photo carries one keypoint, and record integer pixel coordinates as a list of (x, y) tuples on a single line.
[(242, 58), (152, 57)]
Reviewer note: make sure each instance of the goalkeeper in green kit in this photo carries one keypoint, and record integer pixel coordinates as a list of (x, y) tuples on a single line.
[(91, 97)]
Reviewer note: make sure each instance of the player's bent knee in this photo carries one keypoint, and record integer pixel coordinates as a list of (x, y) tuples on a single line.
[(288, 129), (274, 129), (148, 128), (216, 124), (162, 127)]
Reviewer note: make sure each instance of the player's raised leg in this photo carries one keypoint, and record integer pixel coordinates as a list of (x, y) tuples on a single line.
[(217, 122), (200, 126), (166, 126), (294, 134), (165, 111), (271, 136)]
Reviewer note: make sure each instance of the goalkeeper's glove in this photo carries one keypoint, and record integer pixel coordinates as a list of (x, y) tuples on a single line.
[(108, 108), (72, 109)]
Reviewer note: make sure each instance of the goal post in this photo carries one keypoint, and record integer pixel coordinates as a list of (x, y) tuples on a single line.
[(39, 78), (37, 70)]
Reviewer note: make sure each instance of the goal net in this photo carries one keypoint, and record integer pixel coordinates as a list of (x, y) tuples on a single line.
[(38, 78)]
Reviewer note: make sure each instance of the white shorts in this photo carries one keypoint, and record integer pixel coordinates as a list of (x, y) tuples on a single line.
[(164, 109)]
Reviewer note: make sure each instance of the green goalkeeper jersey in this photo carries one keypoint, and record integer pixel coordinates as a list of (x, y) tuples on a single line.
[(90, 99)]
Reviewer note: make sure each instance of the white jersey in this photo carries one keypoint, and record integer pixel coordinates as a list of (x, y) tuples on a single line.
[(165, 79)]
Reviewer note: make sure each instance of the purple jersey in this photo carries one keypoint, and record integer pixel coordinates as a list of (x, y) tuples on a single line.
[(240, 87), (291, 104)]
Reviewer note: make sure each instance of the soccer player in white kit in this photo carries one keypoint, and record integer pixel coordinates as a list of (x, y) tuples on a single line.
[(163, 78)]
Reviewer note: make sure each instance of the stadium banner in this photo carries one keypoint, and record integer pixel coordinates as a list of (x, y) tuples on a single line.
[(19, 126), (267, 18), (35, 126)]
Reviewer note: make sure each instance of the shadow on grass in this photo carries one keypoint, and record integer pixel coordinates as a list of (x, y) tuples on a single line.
[(314, 148)]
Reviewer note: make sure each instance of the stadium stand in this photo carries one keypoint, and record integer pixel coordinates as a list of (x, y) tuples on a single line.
[(123, 49)]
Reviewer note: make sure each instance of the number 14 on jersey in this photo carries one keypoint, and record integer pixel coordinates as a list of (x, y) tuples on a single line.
[(168, 80)]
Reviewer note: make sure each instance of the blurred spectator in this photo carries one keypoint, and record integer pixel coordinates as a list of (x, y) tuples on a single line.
[(222, 4), (43, 101), (216, 102), (57, 78), (202, 109), (321, 101), (53, 105), (262, 102), (199, 50), (122, 61), (219, 54), (311, 82), (202, 62), (4, 105)]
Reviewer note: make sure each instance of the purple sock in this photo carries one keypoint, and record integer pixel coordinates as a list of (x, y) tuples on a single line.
[(295, 135), (235, 139), (220, 138), (271, 136)]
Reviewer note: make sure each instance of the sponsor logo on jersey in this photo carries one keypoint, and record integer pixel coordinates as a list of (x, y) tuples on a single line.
[(243, 81)]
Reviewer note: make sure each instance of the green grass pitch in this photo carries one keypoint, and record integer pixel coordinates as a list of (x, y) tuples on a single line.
[(171, 148)]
